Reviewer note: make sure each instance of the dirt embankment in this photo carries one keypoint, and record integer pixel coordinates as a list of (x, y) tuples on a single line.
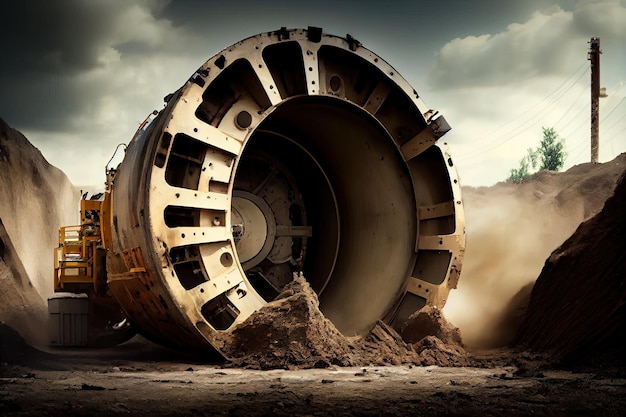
[(511, 231), (577, 309), (36, 198), (21, 305)]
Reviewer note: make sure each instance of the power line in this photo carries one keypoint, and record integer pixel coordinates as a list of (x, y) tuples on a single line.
[(570, 107), (554, 102), (529, 122), (546, 97), (615, 123), (614, 108)]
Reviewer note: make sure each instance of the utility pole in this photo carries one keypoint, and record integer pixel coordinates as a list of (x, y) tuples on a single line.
[(594, 57)]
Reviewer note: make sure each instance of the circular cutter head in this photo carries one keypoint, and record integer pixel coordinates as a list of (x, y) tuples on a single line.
[(290, 151)]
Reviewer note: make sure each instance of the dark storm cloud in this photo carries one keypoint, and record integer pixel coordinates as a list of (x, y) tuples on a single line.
[(406, 33), (48, 46), (44, 37), (522, 51), (54, 48)]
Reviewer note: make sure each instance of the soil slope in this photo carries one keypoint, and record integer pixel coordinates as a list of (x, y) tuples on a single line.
[(36, 198), (511, 230), (577, 309)]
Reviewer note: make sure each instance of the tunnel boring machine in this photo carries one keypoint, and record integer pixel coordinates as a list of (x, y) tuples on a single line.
[(292, 151)]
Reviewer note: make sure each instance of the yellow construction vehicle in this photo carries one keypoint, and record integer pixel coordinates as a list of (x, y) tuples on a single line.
[(80, 257), (83, 311)]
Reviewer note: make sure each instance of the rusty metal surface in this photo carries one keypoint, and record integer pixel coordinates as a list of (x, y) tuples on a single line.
[(289, 151)]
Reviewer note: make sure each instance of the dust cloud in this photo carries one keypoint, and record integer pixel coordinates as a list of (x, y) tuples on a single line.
[(511, 230)]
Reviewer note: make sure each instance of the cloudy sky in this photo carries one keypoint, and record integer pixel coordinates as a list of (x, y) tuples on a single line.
[(78, 76)]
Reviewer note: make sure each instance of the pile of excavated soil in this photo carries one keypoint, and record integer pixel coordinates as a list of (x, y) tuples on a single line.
[(511, 230), (434, 339), (36, 199), (291, 332), (21, 306), (429, 321), (577, 309)]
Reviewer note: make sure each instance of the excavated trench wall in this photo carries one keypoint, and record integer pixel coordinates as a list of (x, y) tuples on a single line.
[(36, 198), (512, 229), (577, 310)]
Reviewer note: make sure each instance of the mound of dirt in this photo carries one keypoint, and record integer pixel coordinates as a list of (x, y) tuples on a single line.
[(37, 198), (433, 351), (292, 333), (21, 306), (511, 230), (429, 321), (577, 309)]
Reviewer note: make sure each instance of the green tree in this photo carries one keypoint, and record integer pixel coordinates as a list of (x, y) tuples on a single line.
[(551, 151), (528, 162), (549, 156)]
